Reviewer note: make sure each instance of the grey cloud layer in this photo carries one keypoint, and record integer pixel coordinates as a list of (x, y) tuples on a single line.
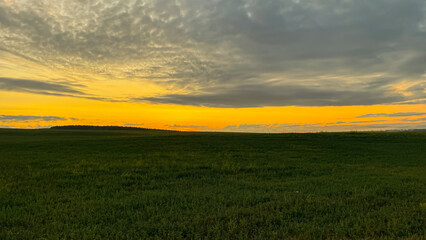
[(36, 86), (227, 53), (276, 95), (281, 128), (399, 114), (61, 88), (184, 126), (27, 118)]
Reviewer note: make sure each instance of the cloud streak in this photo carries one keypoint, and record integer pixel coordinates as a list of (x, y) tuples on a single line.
[(36, 86), (63, 88), (398, 114), (184, 126), (275, 95), (29, 118), (298, 127)]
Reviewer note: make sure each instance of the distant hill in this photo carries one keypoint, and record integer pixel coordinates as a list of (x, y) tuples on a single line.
[(89, 127)]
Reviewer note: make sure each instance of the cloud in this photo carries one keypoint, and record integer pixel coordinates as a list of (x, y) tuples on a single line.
[(63, 88), (296, 127), (265, 128), (275, 95), (36, 86), (368, 121), (27, 118), (398, 114), (332, 123), (184, 126), (132, 124), (212, 53), (414, 120)]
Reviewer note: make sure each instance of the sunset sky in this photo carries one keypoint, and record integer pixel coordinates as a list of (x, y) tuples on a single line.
[(214, 65)]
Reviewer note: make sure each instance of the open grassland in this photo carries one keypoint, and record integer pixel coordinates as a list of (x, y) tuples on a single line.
[(93, 184)]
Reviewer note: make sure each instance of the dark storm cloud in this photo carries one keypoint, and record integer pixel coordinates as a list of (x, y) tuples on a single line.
[(26, 118), (320, 52), (399, 114)]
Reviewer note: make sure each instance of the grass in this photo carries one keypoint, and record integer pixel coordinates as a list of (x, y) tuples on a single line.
[(88, 184)]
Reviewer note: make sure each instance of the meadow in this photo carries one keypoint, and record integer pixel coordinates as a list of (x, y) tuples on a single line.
[(120, 184)]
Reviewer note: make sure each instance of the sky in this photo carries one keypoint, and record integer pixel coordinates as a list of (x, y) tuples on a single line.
[(214, 65)]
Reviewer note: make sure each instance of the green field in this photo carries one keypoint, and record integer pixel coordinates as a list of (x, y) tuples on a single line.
[(96, 184)]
